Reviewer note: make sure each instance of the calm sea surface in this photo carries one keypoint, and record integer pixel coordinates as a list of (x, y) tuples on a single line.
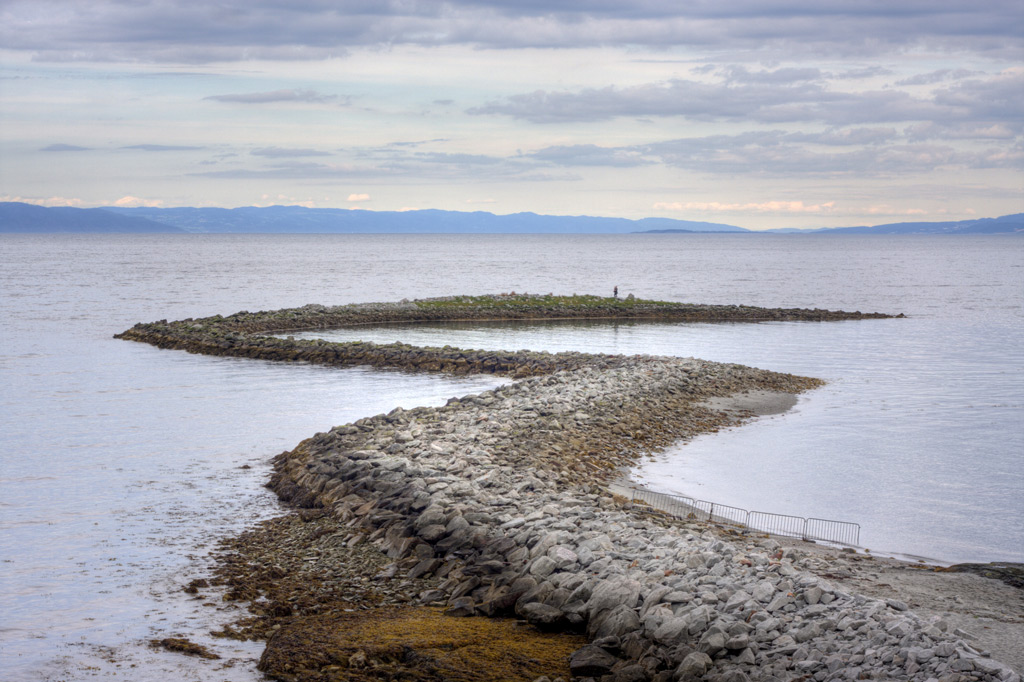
[(123, 464)]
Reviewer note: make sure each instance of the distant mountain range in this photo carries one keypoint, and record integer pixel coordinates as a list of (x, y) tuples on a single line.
[(29, 218), (18, 217)]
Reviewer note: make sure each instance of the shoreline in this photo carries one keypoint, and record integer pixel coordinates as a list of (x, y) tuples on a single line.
[(499, 502)]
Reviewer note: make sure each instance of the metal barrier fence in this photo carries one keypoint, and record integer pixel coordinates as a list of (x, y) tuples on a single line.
[(823, 530)]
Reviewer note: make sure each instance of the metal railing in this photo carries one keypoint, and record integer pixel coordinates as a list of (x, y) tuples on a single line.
[(681, 507)]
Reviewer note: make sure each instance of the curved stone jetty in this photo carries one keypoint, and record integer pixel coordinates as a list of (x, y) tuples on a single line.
[(497, 504), (244, 334)]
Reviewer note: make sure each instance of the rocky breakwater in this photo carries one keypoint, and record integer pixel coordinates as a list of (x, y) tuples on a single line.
[(497, 504), (244, 334), (500, 497)]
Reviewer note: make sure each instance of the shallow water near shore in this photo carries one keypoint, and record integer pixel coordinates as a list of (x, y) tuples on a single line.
[(122, 463)]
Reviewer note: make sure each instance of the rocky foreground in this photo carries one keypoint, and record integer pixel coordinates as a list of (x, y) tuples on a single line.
[(497, 504)]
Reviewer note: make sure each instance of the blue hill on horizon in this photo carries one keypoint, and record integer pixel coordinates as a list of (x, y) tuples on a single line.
[(298, 219), (29, 218)]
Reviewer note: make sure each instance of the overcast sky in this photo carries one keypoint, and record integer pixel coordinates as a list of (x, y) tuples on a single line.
[(797, 113)]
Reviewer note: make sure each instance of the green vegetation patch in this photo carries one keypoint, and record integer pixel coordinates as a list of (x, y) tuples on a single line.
[(514, 300)]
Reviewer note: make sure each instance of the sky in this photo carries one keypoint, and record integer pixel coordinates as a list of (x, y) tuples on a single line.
[(762, 114)]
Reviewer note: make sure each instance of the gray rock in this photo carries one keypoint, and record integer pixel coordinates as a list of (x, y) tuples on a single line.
[(712, 642), (461, 607), (616, 622), (611, 593), (542, 615), (591, 661), (693, 667), (542, 567), (563, 557), (763, 592)]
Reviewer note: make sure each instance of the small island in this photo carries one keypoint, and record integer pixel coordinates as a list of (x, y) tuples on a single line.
[(418, 534)]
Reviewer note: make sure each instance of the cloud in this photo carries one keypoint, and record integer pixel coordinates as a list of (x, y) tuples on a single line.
[(285, 199), (764, 207), (60, 147), (862, 152), (136, 201), (861, 73), (591, 155), (938, 76), (358, 197), (775, 153), (743, 96), (764, 102), (293, 171), (998, 98), (281, 153), (459, 159), (49, 201), (178, 31), (787, 76), (395, 163), (932, 130), (162, 147), (842, 137), (308, 96)]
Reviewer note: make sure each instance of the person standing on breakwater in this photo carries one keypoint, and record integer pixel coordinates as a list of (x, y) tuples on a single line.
[(616, 292)]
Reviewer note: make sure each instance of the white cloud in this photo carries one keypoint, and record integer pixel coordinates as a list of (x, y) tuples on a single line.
[(136, 201), (49, 201), (764, 207), (358, 197)]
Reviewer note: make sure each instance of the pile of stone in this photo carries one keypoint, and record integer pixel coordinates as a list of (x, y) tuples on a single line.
[(501, 498), (244, 334)]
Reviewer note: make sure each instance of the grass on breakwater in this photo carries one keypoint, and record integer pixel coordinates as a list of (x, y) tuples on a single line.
[(514, 300)]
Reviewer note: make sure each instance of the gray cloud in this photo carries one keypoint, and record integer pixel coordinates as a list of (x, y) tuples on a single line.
[(591, 155), (398, 162), (161, 147), (292, 171), (311, 96), (61, 147), (281, 153), (778, 154), (844, 137), (189, 32), (784, 96), (864, 152), (939, 76), (861, 73), (961, 131), (1000, 98), (787, 76), (761, 102), (458, 159)]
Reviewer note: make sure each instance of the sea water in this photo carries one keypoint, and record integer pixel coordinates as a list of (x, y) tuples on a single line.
[(123, 464)]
